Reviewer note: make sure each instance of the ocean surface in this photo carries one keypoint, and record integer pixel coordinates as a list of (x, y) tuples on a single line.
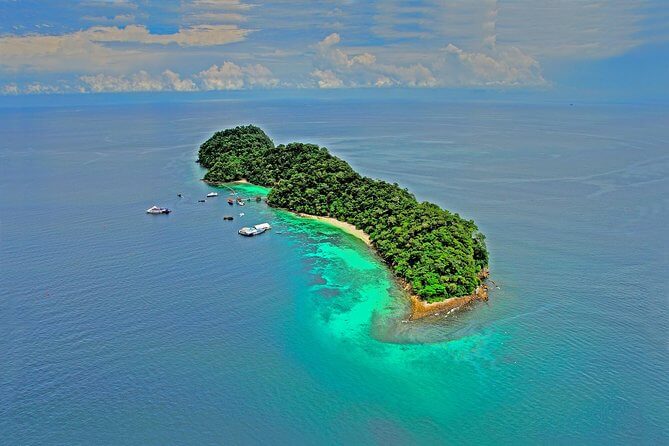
[(118, 327)]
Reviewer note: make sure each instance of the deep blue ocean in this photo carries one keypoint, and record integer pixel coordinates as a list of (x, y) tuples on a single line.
[(117, 327)]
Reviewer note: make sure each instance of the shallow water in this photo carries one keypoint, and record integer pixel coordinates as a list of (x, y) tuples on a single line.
[(119, 327)]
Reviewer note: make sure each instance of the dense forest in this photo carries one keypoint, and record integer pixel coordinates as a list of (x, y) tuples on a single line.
[(438, 253)]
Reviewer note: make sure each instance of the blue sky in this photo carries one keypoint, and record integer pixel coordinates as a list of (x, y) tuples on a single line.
[(605, 48)]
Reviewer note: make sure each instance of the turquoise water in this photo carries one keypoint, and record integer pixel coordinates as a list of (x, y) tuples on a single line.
[(122, 328)]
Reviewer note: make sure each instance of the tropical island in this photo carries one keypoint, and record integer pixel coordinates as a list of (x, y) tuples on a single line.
[(440, 258)]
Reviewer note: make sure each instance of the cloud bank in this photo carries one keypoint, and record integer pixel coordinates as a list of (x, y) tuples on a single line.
[(132, 45)]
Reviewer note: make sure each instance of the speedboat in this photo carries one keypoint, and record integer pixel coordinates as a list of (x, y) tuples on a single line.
[(254, 230), (212, 194), (240, 202), (230, 202), (157, 210)]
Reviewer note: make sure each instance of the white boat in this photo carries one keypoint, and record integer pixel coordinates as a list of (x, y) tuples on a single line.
[(263, 227), (157, 210), (254, 230), (212, 194)]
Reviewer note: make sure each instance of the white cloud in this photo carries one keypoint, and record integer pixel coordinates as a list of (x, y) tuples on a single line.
[(11, 88), (339, 67), (39, 88), (174, 81), (327, 50), (384, 81), (495, 67), (227, 76), (87, 50), (230, 76), (505, 67), (327, 79), (259, 75), (140, 81)]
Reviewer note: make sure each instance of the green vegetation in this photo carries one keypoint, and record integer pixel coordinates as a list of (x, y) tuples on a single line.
[(438, 253)]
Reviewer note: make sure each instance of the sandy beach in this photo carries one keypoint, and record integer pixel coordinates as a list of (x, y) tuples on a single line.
[(346, 227)]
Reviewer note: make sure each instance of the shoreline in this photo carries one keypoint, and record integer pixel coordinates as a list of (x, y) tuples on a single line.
[(346, 227), (419, 307)]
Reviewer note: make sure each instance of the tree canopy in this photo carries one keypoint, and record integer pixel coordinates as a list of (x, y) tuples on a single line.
[(437, 253)]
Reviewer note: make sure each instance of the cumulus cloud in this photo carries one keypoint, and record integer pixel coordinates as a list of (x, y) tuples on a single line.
[(227, 76), (140, 81), (230, 76), (339, 67), (327, 50), (451, 67), (499, 67), (327, 79), (174, 81)]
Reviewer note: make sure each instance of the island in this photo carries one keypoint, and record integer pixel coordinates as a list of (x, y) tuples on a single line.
[(438, 257)]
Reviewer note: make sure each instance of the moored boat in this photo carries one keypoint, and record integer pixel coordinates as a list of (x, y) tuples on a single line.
[(157, 210), (254, 230), (230, 201), (240, 201), (212, 194)]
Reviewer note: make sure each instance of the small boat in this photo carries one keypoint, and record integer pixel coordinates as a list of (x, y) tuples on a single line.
[(228, 217), (179, 195), (254, 230), (258, 199), (230, 202), (241, 214), (157, 210), (240, 202), (201, 201), (212, 194)]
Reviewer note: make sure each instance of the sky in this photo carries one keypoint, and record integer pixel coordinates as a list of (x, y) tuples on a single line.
[(606, 48)]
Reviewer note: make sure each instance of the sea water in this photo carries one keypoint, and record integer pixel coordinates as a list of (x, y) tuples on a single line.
[(118, 327)]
